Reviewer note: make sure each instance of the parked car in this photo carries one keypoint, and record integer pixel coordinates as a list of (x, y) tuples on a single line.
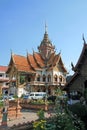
[(37, 95), (11, 98)]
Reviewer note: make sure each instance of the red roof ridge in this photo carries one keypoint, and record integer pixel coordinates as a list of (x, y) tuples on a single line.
[(19, 55)]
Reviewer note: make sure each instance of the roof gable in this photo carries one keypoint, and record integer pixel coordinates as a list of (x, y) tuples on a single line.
[(83, 56), (56, 59), (51, 58), (32, 62), (39, 59), (20, 63)]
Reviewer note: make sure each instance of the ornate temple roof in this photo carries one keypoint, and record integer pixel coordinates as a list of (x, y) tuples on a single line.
[(34, 62), (20, 63), (38, 60)]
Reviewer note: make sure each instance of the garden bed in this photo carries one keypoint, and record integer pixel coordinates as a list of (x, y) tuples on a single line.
[(37, 106)]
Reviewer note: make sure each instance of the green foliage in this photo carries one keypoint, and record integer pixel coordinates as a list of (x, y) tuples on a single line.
[(15, 96), (39, 125), (67, 121), (22, 79), (85, 94), (58, 92), (40, 114), (78, 109), (63, 119), (22, 95), (40, 102), (1, 96)]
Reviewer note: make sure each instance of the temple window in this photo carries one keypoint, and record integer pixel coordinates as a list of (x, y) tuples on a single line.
[(44, 78), (49, 78), (60, 79), (38, 78), (7, 83), (55, 78), (7, 75), (1, 75), (29, 79)]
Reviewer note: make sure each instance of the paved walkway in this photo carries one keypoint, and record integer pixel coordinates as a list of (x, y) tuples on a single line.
[(27, 115)]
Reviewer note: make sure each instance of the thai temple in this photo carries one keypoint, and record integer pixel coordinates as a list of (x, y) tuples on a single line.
[(42, 71), (78, 81)]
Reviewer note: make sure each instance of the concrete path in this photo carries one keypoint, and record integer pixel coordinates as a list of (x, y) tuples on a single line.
[(27, 115)]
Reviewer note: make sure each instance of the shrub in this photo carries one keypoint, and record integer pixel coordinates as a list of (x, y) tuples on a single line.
[(78, 109), (39, 125), (40, 114), (63, 119)]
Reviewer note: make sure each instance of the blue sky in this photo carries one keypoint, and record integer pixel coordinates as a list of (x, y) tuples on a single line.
[(22, 27)]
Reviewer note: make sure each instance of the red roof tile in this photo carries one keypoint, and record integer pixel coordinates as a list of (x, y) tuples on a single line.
[(3, 68), (39, 59), (21, 63), (32, 62)]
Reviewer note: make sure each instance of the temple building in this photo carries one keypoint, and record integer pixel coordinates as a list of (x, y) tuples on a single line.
[(78, 81), (3, 79), (41, 71)]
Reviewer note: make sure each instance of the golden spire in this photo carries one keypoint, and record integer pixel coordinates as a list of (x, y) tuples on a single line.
[(45, 28)]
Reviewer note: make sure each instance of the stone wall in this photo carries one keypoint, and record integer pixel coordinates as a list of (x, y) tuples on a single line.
[(14, 110)]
